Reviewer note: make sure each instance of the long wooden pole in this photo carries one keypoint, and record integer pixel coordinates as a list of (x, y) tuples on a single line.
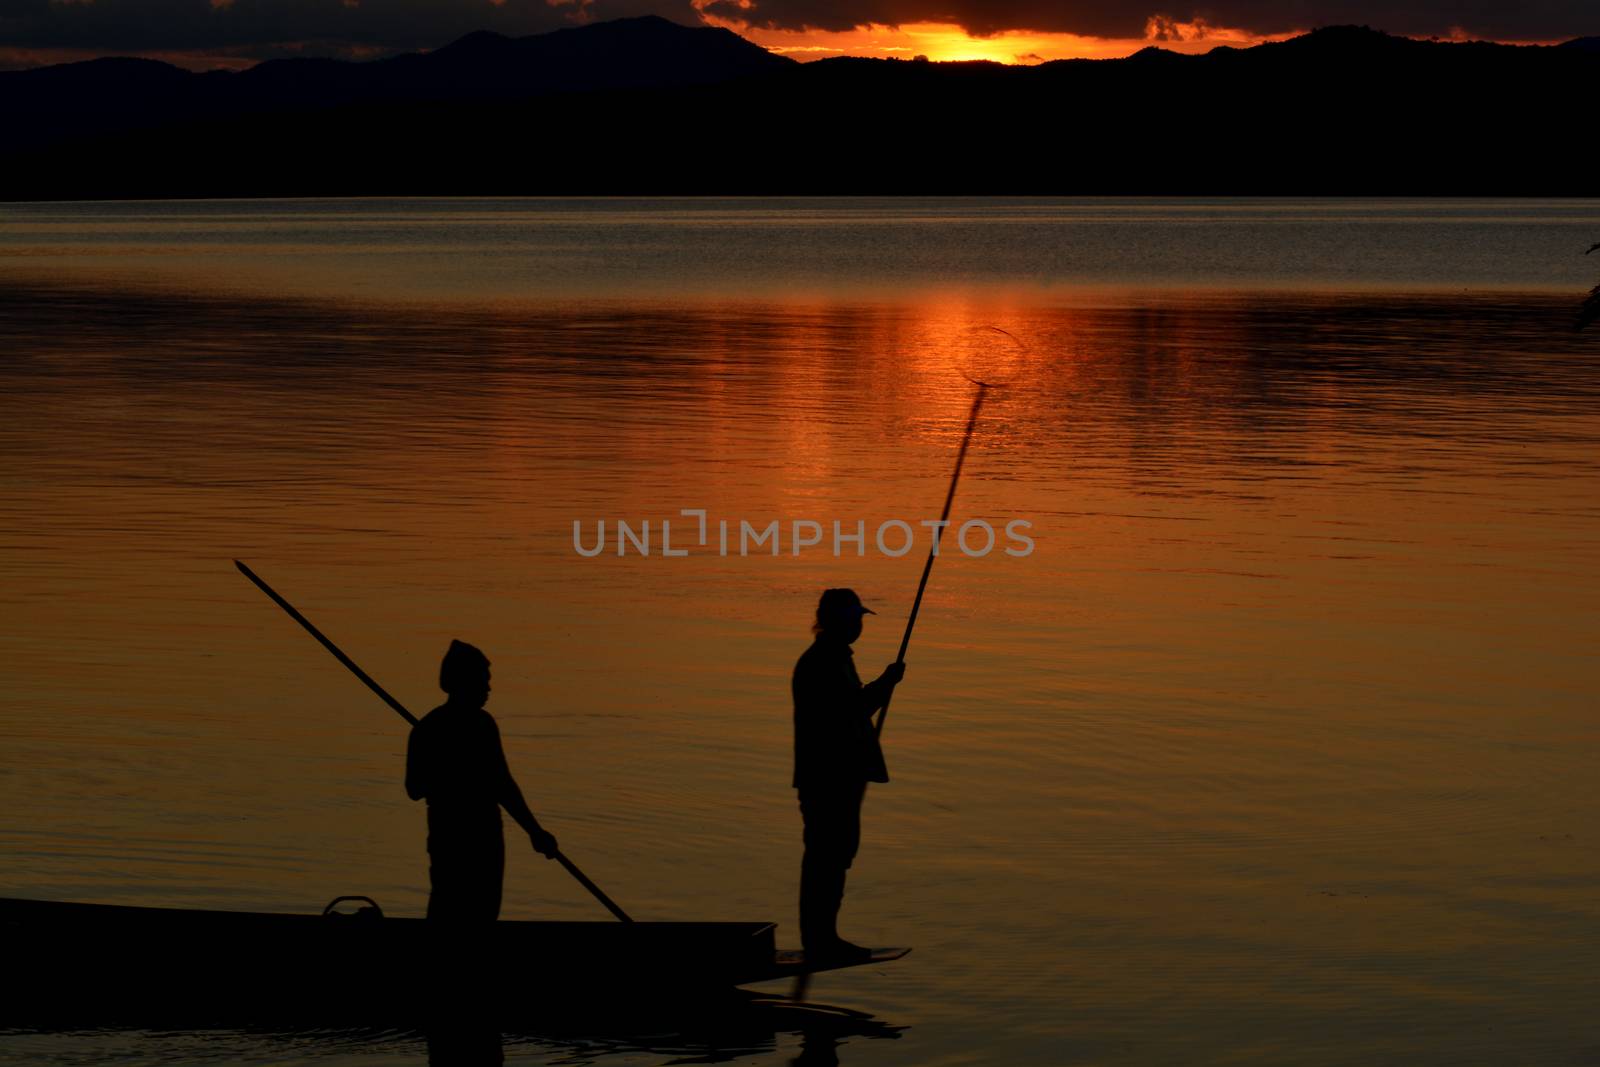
[(938, 532), (400, 708)]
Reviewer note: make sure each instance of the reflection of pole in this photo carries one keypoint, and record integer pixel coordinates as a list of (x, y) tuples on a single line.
[(933, 552), (400, 708)]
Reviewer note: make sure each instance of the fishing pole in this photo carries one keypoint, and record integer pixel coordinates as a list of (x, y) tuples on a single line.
[(400, 708), (996, 371), (938, 532)]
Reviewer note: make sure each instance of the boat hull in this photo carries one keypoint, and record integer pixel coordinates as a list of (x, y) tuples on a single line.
[(89, 958)]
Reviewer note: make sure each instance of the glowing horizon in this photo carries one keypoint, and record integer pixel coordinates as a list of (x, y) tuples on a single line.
[(939, 42), (943, 42)]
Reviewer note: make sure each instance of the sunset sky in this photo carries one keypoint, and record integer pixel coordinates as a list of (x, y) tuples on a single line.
[(236, 33)]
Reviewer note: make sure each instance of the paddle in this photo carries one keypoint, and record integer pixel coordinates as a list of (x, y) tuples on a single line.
[(383, 695)]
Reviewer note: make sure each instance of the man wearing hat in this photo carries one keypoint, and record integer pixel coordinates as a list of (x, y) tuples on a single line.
[(836, 754), (455, 760)]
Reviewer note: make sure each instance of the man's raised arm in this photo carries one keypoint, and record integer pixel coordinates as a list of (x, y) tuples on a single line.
[(875, 694)]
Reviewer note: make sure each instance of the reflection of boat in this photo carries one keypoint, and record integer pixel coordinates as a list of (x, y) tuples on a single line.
[(728, 1026), (71, 956), (731, 1026)]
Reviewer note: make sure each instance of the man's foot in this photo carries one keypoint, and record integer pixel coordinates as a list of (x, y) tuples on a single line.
[(842, 951)]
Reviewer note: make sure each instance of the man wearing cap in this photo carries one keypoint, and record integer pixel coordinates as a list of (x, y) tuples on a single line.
[(836, 753), (454, 759)]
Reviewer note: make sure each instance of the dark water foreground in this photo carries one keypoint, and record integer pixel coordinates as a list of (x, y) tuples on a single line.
[(730, 1029)]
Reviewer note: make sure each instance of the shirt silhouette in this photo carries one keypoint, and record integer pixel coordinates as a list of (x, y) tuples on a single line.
[(834, 741)]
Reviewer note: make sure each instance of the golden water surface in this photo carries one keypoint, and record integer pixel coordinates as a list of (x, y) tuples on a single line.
[(1280, 746)]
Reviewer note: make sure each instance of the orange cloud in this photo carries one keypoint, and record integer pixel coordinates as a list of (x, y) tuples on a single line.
[(944, 42)]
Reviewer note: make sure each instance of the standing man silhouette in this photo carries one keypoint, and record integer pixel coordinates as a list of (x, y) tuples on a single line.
[(836, 753), (455, 761)]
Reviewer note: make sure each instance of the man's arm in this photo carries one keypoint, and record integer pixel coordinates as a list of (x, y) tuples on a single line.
[(509, 794), (876, 693)]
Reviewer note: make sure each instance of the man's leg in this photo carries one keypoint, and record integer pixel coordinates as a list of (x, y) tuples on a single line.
[(832, 820), (444, 888), (492, 879), (848, 827), (816, 915), (465, 879), (819, 903)]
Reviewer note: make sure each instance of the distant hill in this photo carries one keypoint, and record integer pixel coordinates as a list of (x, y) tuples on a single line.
[(640, 53), (79, 101), (647, 106)]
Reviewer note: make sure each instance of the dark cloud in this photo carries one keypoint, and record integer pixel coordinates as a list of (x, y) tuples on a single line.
[(270, 28), (1497, 19), (243, 29)]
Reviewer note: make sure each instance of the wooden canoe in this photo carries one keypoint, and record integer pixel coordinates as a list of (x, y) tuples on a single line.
[(63, 955)]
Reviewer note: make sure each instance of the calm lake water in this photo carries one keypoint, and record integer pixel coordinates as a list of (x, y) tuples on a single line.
[(1280, 746)]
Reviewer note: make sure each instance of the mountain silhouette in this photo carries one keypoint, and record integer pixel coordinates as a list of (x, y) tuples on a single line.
[(639, 53), (646, 106)]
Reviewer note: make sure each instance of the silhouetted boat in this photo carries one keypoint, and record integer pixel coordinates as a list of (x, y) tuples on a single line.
[(67, 956)]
